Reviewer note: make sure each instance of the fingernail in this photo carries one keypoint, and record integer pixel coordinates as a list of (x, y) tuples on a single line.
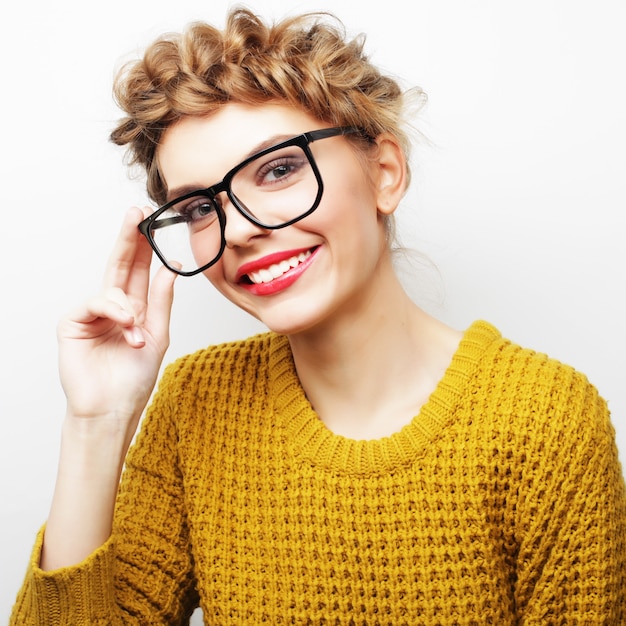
[(137, 335)]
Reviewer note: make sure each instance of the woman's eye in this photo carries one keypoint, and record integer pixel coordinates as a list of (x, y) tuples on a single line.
[(279, 170), (202, 210), (198, 209)]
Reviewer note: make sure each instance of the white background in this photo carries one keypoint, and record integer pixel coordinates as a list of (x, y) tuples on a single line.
[(520, 203)]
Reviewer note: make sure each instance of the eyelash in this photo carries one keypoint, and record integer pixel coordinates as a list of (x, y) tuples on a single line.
[(291, 163), (188, 210)]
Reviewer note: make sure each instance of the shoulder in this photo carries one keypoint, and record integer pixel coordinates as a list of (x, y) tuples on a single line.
[(533, 423), (530, 389), (510, 367), (225, 359), (215, 380), (217, 370)]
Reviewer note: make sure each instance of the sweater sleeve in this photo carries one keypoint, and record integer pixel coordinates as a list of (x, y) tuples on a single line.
[(571, 513), (144, 573)]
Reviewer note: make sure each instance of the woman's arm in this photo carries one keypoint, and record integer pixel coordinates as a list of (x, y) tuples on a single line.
[(144, 573), (110, 351), (571, 518)]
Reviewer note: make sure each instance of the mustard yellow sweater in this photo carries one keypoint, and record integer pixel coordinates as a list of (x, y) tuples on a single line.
[(501, 503)]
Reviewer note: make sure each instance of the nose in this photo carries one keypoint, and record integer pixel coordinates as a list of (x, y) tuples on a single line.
[(239, 231)]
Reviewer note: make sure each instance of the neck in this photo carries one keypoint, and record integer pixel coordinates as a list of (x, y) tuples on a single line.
[(368, 370)]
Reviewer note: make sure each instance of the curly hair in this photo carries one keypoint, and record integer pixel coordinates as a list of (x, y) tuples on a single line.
[(305, 61)]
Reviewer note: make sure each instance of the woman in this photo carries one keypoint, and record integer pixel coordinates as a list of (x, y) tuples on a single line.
[(359, 463)]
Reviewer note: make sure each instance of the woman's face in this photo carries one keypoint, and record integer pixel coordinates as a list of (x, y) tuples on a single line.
[(303, 275)]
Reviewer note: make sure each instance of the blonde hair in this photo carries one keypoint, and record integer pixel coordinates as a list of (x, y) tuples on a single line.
[(305, 61)]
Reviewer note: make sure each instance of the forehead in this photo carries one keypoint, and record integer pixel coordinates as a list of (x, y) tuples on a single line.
[(200, 150)]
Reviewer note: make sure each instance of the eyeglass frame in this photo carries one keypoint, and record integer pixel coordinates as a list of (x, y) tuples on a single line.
[(302, 141)]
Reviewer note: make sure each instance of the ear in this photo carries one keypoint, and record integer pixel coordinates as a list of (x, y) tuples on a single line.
[(391, 174)]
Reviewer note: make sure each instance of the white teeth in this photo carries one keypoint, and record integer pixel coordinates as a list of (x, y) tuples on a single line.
[(266, 276), (278, 269)]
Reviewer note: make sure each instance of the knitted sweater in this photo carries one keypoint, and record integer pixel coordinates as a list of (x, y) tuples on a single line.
[(502, 502)]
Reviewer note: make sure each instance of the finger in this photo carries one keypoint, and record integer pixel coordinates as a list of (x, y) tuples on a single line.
[(139, 278), (99, 315), (129, 255), (160, 308), (126, 317), (113, 305)]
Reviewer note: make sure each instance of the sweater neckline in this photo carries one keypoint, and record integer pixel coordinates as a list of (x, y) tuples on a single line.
[(309, 439)]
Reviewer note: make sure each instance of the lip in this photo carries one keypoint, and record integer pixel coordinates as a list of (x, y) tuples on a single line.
[(266, 261), (282, 282)]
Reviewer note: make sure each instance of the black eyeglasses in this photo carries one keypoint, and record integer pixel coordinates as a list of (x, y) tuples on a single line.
[(274, 188)]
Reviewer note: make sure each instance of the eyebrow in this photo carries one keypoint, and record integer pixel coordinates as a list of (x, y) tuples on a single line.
[(182, 190)]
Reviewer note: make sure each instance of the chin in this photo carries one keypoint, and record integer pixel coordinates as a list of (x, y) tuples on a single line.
[(286, 327), (284, 322), (291, 313)]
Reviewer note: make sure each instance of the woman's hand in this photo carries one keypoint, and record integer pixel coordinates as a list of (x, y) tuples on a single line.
[(110, 352), (111, 348)]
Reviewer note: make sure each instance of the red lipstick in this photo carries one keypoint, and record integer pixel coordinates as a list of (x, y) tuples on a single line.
[(276, 284)]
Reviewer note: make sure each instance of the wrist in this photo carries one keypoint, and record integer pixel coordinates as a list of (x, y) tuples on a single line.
[(97, 445)]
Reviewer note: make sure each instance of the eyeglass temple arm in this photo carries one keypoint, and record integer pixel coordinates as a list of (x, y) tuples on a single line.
[(168, 221), (323, 133)]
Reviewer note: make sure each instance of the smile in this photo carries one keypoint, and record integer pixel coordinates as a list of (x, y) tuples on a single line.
[(277, 269), (276, 272)]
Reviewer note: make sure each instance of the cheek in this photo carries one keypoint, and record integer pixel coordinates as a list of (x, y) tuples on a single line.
[(352, 188), (349, 212), (215, 275)]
